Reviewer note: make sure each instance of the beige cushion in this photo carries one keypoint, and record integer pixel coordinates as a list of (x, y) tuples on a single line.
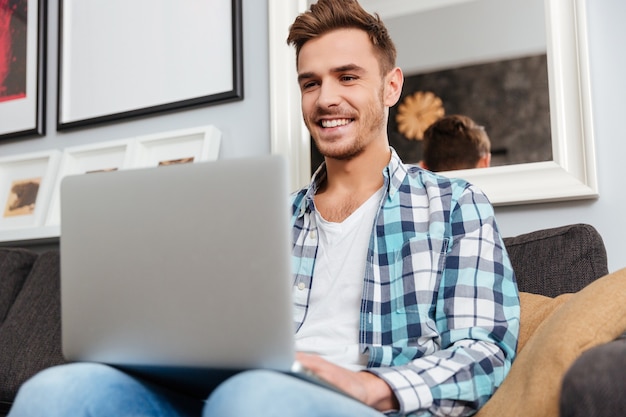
[(554, 332)]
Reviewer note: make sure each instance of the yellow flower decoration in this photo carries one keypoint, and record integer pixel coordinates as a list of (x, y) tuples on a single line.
[(417, 112)]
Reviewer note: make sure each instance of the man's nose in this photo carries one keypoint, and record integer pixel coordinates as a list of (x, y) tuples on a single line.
[(329, 95)]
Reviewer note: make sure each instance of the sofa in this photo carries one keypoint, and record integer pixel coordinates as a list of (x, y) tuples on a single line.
[(30, 317), (551, 265), (583, 310)]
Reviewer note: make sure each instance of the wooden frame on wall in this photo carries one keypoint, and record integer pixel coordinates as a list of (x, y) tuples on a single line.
[(161, 56), (22, 76)]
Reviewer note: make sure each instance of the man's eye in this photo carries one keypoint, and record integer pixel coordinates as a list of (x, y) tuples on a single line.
[(348, 78), (308, 85)]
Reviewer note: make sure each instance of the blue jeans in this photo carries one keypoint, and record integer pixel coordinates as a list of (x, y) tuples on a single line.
[(85, 389)]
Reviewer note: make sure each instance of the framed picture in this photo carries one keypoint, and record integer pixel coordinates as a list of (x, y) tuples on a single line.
[(22, 67), (176, 147), (25, 186), (100, 157), (121, 59)]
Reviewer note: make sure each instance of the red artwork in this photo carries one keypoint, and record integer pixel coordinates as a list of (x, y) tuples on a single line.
[(13, 25)]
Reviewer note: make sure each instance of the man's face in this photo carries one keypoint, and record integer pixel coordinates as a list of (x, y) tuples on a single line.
[(343, 93)]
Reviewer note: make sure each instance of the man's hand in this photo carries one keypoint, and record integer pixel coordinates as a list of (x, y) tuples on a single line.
[(364, 386)]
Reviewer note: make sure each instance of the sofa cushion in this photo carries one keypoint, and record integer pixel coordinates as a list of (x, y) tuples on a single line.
[(31, 332), (594, 385), (557, 260), (573, 324), (15, 264)]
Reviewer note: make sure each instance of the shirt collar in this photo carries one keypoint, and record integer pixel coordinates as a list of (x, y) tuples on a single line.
[(394, 174)]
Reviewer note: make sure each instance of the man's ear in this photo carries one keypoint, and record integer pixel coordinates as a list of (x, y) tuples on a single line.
[(393, 86), (484, 161)]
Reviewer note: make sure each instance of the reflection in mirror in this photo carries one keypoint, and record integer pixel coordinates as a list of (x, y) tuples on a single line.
[(471, 56), (555, 29)]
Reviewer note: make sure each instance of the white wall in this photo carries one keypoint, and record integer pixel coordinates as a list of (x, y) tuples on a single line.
[(608, 66), (244, 124)]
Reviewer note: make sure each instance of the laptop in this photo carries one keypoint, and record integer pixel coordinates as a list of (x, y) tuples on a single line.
[(179, 273)]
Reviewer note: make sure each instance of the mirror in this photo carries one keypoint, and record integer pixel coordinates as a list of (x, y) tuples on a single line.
[(570, 174)]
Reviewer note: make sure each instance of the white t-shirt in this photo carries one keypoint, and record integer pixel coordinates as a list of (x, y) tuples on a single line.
[(331, 326)]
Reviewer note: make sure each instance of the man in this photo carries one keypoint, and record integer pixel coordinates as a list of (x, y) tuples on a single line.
[(404, 295), (455, 142)]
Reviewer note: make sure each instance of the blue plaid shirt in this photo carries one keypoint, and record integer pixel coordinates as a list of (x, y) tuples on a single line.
[(440, 307)]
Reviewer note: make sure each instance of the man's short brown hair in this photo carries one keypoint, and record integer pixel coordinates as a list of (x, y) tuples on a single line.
[(328, 15), (454, 142)]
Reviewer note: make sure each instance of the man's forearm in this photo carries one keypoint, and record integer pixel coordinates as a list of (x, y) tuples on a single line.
[(379, 394)]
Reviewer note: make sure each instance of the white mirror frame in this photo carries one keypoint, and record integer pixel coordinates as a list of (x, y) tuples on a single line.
[(570, 175)]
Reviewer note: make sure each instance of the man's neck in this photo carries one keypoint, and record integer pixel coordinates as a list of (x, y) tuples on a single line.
[(349, 183), (360, 171)]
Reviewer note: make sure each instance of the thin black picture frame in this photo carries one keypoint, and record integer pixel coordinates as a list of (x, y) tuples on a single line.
[(76, 92), (26, 116)]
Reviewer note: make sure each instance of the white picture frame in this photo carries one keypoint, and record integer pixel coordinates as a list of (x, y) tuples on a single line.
[(26, 183), (46, 170), (178, 146), (76, 160)]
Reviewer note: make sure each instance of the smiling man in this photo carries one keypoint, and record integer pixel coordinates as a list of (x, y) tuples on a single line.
[(404, 296), (409, 300)]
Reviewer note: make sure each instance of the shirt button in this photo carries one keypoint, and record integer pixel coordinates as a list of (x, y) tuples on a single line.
[(301, 286), (313, 234)]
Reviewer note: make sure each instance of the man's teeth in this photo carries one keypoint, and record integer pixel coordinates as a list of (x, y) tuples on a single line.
[(335, 122)]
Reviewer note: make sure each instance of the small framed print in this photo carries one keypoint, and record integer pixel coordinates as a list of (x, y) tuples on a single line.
[(177, 147), (26, 183), (86, 159)]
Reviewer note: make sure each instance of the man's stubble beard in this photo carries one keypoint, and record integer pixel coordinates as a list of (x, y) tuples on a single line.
[(357, 146)]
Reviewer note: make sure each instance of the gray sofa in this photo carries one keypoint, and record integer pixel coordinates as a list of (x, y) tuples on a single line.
[(548, 262), (30, 324)]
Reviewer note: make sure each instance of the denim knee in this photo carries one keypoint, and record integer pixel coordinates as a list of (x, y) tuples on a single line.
[(88, 389), (265, 393), (64, 378)]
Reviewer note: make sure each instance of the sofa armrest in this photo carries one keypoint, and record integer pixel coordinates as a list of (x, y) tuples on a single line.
[(559, 260), (595, 383), (30, 337), (15, 265)]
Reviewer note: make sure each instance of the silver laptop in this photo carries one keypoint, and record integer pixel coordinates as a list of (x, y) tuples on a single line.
[(179, 273)]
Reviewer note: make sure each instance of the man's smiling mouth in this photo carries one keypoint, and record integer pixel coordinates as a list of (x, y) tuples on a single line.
[(335, 122)]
